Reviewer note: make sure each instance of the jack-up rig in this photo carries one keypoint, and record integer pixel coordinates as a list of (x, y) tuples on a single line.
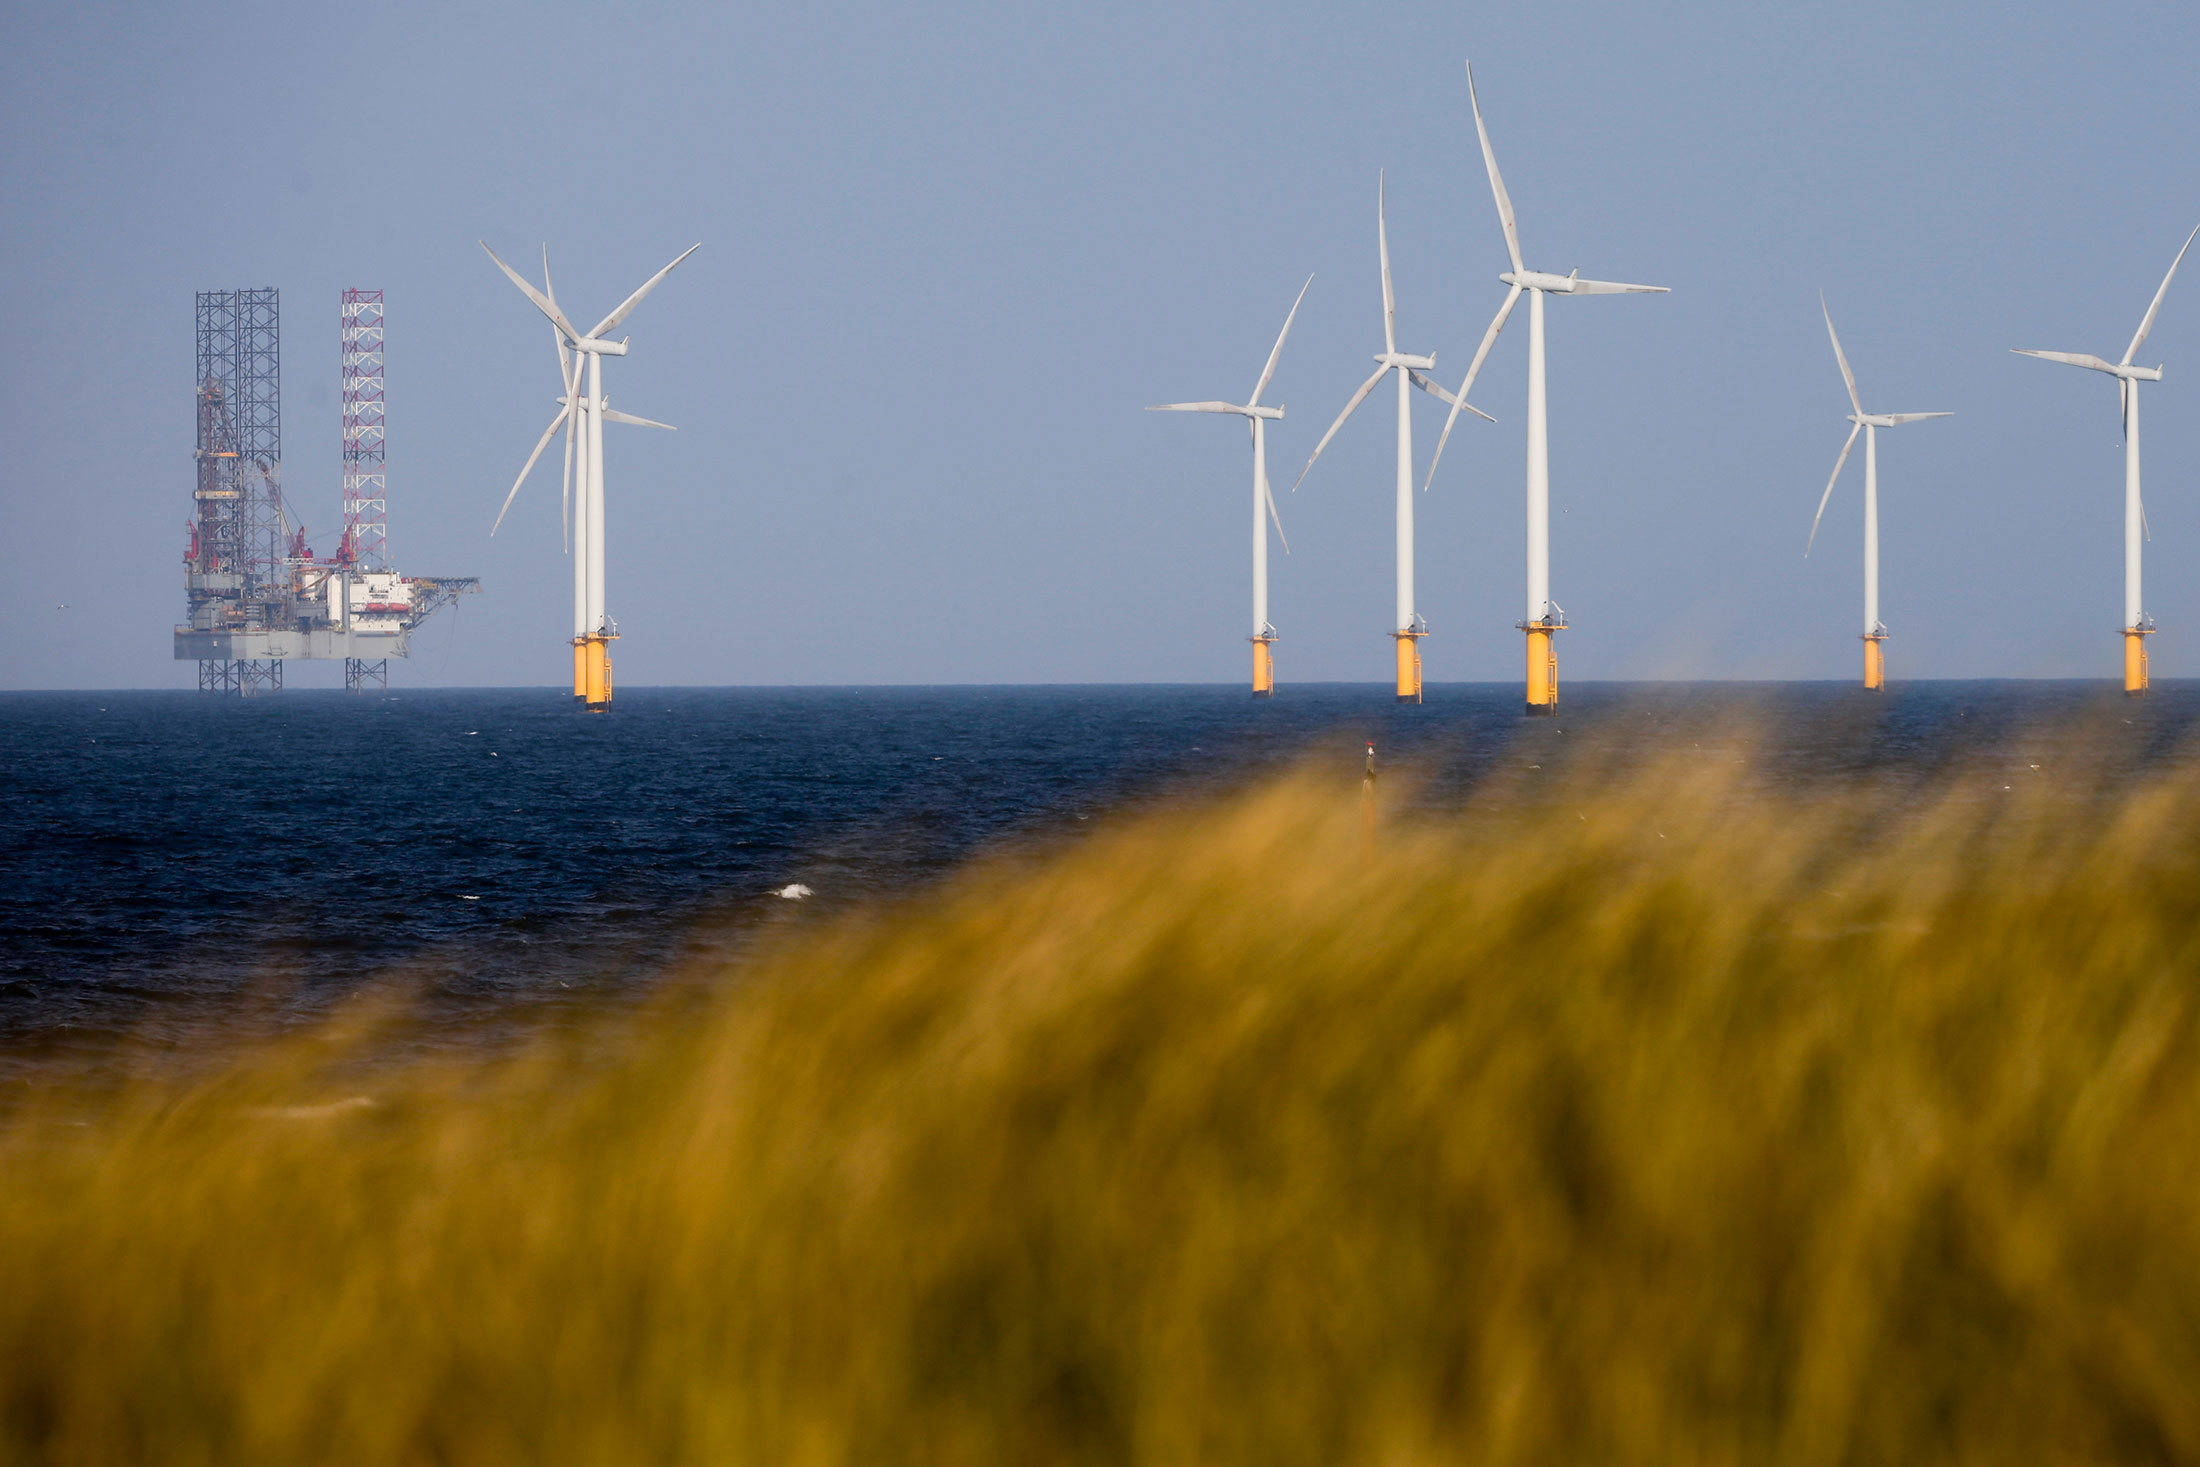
[(255, 593)]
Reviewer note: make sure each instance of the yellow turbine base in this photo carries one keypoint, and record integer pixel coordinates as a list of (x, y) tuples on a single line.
[(1409, 665), (596, 655), (1264, 667), (1542, 671), (580, 669), (1875, 665), (2135, 660)]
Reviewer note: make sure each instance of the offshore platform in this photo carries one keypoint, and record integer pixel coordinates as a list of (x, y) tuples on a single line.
[(255, 593)]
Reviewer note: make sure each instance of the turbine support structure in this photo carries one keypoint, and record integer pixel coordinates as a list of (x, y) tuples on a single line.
[(1875, 661), (592, 659), (2135, 657), (2138, 626), (1264, 664), (1409, 660), (1543, 663)]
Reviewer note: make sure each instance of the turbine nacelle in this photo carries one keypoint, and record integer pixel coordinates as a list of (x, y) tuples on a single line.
[(1891, 420), (1538, 280), (1574, 285), (595, 347), (1402, 359), (1253, 411)]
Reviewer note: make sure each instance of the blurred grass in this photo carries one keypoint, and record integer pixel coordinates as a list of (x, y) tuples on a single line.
[(1631, 1115)]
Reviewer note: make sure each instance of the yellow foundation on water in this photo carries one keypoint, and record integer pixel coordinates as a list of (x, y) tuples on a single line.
[(1542, 671), (597, 671), (1409, 666), (2135, 660)]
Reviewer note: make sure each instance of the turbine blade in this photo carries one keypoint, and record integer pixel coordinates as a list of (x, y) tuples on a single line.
[(1497, 181), (1838, 464), (1275, 355), (540, 444), (2145, 528), (569, 370), (1474, 369), (1442, 394), (1357, 398), (1896, 418), (2067, 358), (1193, 407), (565, 486), (1382, 246), (1840, 356), (1438, 391), (613, 415), (549, 291), (1268, 490), (1616, 287), (627, 306), (2148, 324), (557, 317)]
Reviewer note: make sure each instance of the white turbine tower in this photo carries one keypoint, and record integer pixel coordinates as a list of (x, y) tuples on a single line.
[(1868, 424), (1264, 499), (2138, 626), (583, 413), (1410, 626), (1544, 615)]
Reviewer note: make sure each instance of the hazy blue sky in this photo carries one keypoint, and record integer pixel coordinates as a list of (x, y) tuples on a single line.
[(951, 251)]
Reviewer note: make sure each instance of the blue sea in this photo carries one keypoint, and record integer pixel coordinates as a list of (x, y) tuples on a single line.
[(165, 856)]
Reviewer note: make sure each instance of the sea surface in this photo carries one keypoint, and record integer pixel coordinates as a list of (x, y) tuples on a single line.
[(166, 855)]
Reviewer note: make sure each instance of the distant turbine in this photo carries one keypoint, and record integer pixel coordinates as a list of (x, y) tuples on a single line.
[(1868, 424), (583, 416), (1410, 628), (1264, 499), (2138, 626), (1544, 615)]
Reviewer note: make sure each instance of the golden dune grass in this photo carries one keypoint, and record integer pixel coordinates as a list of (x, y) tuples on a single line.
[(1635, 1117)]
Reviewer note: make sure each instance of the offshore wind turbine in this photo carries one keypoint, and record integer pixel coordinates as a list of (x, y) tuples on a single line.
[(582, 411), (571, 415), (2138, 626), (1545, 618), (1411, 627), (1264, 499), (1868, 424)]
